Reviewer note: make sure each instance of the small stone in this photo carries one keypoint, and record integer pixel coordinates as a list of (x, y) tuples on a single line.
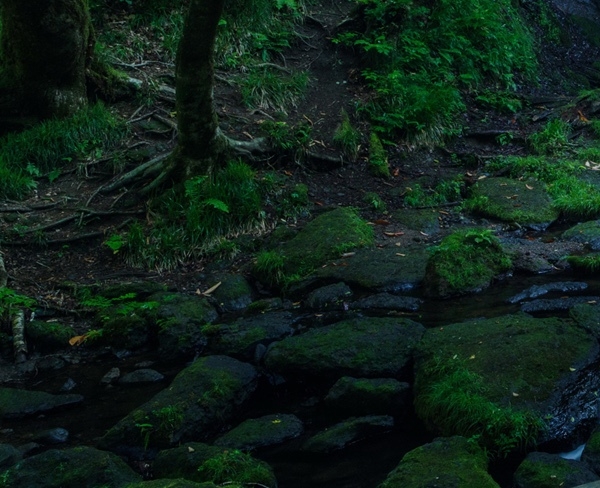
[(111, 376), (57, 435), (144, 375)]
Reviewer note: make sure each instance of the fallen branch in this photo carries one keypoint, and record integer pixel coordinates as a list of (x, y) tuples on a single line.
[(18, 333)]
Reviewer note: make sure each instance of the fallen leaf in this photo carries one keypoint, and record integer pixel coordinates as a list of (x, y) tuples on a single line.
[(393, 234), (381, 222), (191, 449), (348, 254), (572, 369), (211, 289), (482, 177), (515, 394), (423, 233), (276, 421), (400, 254), (529, 187), (472, 356), (78, 340), (582, 117)]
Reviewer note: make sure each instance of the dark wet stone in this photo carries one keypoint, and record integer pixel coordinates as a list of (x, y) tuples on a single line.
[(424, 220), (196, 405), (539, 468), (48, 336), (387, 301), (242, 337), (538, 257), (587, 233), (170, 483), (57, 435), (50, 363), (261, 432), (144, 375), (233, 294), (15, 403), (349, 431), (353, 397), (330, 297), (71, 468), (9, 455), (587, 315), (449, 462), (556, 304), (111, 377), (367, 347), (591, 452), (539, 290), (68, 385)]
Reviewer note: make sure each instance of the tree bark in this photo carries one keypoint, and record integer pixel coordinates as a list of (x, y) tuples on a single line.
[(45, 46), (200, 144)]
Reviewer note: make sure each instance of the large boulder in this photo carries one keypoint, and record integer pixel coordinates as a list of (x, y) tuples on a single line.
[(78, 467), (587, 233), (197, 404), (452, 462), (15, 403), (498, 378), (367, 347), (542, 470)]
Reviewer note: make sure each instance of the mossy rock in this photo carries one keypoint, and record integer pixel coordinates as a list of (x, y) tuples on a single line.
[(9, 455), (452, 462), (347, 432), (260, 432), (183, 461), (141, 289), (382, 269), (198, 403), (587, 264), (324, 238), (587, 315), (587, 233), (70, 468), (591, 452), (424, 220), (233, 294), (465, 262), (508, 200), (543, 470), (497, 378), (368, 347), (48, 336), (363, 396), (16, 403)]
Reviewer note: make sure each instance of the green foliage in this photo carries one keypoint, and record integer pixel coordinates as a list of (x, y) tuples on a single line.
[(234, 466), (589, 264), (553, 139), (346, 137), (455, 403), (420, 54), (269, 267), (503, 101), (46, 146), (10, 301), (445, 191), (293, 140), (115, 243), (378, 159), (267, 88), (374, 201)]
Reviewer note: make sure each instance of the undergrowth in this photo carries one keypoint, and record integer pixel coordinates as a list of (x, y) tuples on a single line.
[(454, 402), (420, 55), (47, 146)]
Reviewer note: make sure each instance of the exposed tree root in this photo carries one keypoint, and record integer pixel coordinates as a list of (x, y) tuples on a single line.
[(3, 273)]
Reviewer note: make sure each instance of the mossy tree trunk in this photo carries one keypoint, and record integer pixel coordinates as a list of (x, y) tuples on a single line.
[(45, 46)]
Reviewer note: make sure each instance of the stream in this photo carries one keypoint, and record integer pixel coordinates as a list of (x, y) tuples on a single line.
[(362, 465)]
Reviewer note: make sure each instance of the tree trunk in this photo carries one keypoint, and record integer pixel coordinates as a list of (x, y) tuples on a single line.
[(45, 46), (201, 144)]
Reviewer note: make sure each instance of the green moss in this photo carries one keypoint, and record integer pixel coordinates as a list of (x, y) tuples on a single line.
[(49, 335), (378, 159), (236, 466), (465, 261), (546, 472), (588, 264)]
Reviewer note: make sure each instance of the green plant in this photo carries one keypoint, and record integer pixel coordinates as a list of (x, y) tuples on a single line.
[(553, 139), (589, 263), (346, 137), (270, 267), (445, 191), (378, 160), (234, 466), (266, 88), (146, 430), (115, 242), (502, 101), (455, 403), (375, 201), (10, 300)]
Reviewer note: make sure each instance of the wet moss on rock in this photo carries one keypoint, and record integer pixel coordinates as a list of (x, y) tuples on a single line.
[(544, 470)]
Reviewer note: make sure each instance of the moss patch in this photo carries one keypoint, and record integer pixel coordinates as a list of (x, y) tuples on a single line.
[(465, 261)]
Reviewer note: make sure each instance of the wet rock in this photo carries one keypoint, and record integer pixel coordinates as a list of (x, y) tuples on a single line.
[(525, 203), (390, 269), (541, 366), (260, 432), (330, 297), (9, 455), (144, 375), (556, 304), (352, 397), (71, 468), (424, 220), (68, 385), (540, 290), (587, 233), (111, 377), (369, 347), (449, 462), (50, 363), (141, 289), (242, 337), (233, 294), (199, 402), (15, 403), (387, 301), (591, 452), (540, 468), (48, 336), (587, 315), (347, 432), (539, 257), (200, 462), (58, 435), (181, 318)]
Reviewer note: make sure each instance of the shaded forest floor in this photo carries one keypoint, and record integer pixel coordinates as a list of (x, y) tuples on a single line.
[(62, 228)]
